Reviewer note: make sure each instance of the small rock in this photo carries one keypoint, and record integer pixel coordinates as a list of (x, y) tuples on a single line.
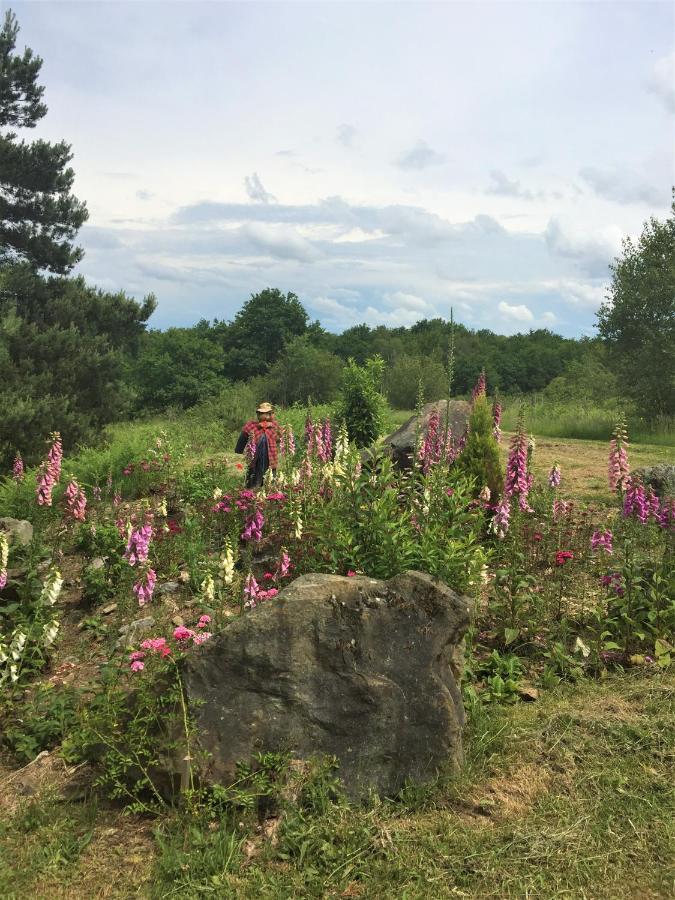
[(110, 608), (97, 563), (20, 529), (169, 587), (132, 633), (178, 620), (525, 692), (44, 565)]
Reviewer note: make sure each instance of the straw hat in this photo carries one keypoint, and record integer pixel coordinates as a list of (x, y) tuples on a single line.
[(265, 408)]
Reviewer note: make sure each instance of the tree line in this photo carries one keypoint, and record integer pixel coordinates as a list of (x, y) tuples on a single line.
[(75, 358)]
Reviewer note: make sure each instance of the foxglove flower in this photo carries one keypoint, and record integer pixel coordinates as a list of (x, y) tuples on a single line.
[(253, 527), (145, 586), (76, 501), (250, 449), (602, 540), (518, 482), (480, 387), (561, 509), (4, 556), (227, 564), (18, 471), (52, 588), (618, 469), (501, 519), (284, 564), (138, 545), (497, 421), (49, 473), (554, 476), (208, 591)]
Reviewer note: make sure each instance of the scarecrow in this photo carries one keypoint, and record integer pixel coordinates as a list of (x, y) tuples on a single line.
[(258, 440)]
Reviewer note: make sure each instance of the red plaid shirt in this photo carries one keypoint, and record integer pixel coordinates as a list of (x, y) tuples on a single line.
[(271, 430)]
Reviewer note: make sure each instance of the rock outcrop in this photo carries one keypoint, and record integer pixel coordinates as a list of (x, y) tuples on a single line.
[(360, 669), (20, 530), (660, 478), (401, 443)]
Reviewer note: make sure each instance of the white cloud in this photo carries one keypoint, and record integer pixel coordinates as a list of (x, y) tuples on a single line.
[(503, 186), (421, 156), (280, 241), (401, 300), (661, 81), (519, 313), (621, 186), (256, 191), (593, 251), (549, 317), (346, 135)]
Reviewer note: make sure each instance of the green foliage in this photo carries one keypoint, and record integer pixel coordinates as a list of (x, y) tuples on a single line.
[(638, 320), (41, 722), (260, 331), (406, 372), (177, 368), (303, 372), (480, 458), (39, 217), (63, 355), (362, 406)]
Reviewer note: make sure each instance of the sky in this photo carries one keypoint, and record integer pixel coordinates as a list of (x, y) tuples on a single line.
[(384, 161)]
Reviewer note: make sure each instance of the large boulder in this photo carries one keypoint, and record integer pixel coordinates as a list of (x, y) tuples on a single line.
[(660, 478), (401, 443), (20, 530), (364, 670)]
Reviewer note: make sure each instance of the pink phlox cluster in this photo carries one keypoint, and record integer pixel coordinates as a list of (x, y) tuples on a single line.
[(276, 497), (497, 421), (76, 501), (157, 645), (49, 473), (479, 388), (602, 540), (502, 517), (182, 634), (203, 621), (554, 476), (138, 545), (250, 449), (255, 593), (18, 471), (145, 586), (561, 509), (253, 527), (224, 507), (201, 638), (618, 467), (518, 480), (137, 666)]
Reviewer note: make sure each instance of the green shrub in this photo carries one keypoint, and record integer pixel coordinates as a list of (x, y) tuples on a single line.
[(362, 405), (480, 458)]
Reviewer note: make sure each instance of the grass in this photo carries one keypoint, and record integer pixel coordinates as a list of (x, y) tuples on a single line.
[(570, 796)]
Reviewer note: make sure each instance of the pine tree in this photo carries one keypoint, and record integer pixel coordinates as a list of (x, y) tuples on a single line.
[(39, 217), (480, 458)]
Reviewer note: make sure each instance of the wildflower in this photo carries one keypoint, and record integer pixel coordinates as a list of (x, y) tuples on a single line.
[(309, 433), (96, 491), (287, 441), (18, 470), (517, 479), (298, 525), (602, 540), (49, 472), (618, 468), (52, 588), (635, 502), (76, 501), (208, 591), (497, 421), (276, 497), (250, 449), (154, 644), (268, 576), (351, 573), (485, 494), (4, 556), (138, 545), (137, 666), (536, 536), (251, 589), (480, 387), (203, 621), (239, 465), (562, 556), (198, 639), (613, 582), (342, 443), (431, 448), (137, 654), (562, 508), (182, 633), (145, 586), (327, 441), (162, 508), (253, 527), (554, 476), (117, 498), (501, 518), (49, 633), (227, 564), (284, 565)]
